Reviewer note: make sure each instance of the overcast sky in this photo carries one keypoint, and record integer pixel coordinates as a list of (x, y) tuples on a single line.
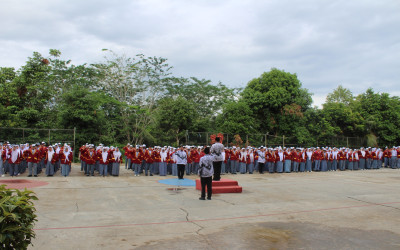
[(326, 43)]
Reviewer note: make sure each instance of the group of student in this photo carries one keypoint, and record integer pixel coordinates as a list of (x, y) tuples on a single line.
[(17, 158), (164, 160), (102, 160)]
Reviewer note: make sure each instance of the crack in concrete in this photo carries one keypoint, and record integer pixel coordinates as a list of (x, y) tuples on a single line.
[(219, 199), (187, 219), (383, 205), (187, 213), (77, 208)]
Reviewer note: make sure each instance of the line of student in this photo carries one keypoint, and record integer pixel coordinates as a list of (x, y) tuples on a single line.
[(16, 159)]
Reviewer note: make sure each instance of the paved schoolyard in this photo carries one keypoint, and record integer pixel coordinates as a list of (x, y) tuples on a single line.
[(330, 210)]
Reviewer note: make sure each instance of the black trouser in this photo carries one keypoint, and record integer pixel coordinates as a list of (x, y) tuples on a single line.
[(217, 170), (261, 167), (206, 181), (181, 170)]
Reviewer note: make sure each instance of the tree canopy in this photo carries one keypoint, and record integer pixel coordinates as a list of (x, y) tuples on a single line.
[(139, 100)]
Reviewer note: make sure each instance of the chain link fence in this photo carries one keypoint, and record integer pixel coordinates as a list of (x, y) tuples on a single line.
[(257, 140), (33, 135)]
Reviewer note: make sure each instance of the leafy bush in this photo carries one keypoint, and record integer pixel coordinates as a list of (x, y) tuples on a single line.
[(17, 218)]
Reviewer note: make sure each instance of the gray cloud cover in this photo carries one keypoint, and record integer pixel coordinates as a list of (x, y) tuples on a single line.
[(327, 43)]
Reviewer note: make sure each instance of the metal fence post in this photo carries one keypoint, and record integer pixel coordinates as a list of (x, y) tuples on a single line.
[(73, 155)]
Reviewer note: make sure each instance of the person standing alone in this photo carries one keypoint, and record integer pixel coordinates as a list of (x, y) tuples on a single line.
[(181, 161), (206, 172), (216, 150)]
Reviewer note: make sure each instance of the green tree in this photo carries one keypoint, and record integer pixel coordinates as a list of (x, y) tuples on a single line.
[(275, 98), (381, 114), (137, 84), (92, 113), (236, 118), (340, 95), (173, 118)]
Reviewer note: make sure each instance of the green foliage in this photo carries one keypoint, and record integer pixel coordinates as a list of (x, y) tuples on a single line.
[(236, 118), (138, 100), (208, 99), (276, 98), (174, 117), (340, 95), (17, 218)]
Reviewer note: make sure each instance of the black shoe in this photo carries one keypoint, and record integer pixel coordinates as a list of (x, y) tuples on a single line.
[(30, 175), (208, 198), (151, 174), (202, 198), (35, 175)]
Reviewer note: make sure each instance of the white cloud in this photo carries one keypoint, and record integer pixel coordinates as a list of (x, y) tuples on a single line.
[(327, 43)]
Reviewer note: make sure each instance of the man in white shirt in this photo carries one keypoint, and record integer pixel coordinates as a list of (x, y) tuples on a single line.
[(206, 172), (181, 161), (216, 150)]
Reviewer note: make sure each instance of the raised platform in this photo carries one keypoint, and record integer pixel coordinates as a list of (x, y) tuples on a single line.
[(222, 186)]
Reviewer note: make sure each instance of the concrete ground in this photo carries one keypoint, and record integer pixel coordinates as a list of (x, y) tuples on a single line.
[(330, 210)]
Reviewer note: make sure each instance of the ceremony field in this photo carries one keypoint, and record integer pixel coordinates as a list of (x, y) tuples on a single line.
[(329, 210)]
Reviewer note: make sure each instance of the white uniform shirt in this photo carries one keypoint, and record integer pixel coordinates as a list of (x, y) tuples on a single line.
[(181, 157), (206, 166), (216, 151)]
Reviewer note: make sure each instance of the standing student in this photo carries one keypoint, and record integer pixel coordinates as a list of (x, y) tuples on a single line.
[(234, 157), (261, 160), (393, 159), (181, 161), (242, 160), (66, 159), (279, 158), (156, 160), (126, 152), (103, 159), (14, 160), (251, 158), (195, 155), (148, 161), (189, 162), (271, 158), (163, 163), (361, 157), (288, 161), (116, 161), (309, 160), (206, 172), (33, 159), (216, 150), (91, 158), (386, 157), (50, 160), (136, 161)]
